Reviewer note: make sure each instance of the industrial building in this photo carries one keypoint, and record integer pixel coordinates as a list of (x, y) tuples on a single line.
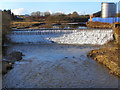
[(108, 13)]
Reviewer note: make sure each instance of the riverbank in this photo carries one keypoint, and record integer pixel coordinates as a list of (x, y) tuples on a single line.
[(99, 25), (37, 25), (108, 56), (8, 61), (23, 25)]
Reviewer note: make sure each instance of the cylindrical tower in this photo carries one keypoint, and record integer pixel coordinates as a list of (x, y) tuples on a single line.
[(108, 10)]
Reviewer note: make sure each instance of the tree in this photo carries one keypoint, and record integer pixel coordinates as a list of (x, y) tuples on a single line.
[(58, 13), (47, 13), (74, 15), (9, 12), (36, 13)]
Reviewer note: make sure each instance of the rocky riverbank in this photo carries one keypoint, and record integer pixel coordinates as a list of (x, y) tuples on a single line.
[(9, 60)]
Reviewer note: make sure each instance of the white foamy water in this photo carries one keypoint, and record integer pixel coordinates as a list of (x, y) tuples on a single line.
[(95, 37)]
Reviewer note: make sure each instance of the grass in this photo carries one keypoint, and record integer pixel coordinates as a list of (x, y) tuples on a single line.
[(29, 25), (99, 25)]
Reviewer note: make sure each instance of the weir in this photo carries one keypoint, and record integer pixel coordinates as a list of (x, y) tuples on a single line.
[(83, 36)]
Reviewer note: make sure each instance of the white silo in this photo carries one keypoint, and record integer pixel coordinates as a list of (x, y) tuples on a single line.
[(108, 10)]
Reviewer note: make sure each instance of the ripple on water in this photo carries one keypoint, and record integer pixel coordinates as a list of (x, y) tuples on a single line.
[(57, 66)]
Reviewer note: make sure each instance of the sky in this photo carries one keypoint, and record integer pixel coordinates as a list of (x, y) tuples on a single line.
[(65, 6)]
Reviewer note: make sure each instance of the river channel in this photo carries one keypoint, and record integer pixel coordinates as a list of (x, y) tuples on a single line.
[(55, 66)]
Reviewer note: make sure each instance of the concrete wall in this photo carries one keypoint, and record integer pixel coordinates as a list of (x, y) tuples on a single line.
[(95, 37)]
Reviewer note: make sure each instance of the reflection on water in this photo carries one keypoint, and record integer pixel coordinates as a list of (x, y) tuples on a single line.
[(57, 66)]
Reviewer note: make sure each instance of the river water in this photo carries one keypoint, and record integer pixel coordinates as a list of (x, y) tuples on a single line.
[(54, 66)]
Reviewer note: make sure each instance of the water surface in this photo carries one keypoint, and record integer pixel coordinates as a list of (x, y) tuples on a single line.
[(52, 65)]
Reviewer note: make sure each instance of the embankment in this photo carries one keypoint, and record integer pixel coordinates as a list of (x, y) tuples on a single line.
[(99, 25), (109, 57)]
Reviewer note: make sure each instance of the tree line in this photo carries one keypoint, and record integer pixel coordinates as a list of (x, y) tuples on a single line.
[(57, 17)]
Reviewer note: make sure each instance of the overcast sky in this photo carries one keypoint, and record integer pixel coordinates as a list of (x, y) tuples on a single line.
[(65, 6)]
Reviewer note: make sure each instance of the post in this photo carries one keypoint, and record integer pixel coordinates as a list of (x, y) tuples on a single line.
[(0, 49), (116, 29)]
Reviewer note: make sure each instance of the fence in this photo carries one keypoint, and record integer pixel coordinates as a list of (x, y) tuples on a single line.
[(106, 20)]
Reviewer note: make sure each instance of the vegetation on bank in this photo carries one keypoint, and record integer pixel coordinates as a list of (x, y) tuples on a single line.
[(118, 15), (19, 25), (99, 25), (38, 20), (109, 56)]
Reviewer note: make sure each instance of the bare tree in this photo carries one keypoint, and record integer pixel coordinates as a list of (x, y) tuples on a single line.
[(36, 13), (58, 13), (47, 13)]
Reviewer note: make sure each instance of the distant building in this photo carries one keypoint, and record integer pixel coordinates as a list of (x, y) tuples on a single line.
[(108, 10), (108, 13)]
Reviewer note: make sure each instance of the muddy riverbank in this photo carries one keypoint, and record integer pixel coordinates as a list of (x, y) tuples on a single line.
[(108, 56)]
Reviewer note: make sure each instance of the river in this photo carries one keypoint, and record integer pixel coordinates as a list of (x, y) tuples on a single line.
[(55, 65)]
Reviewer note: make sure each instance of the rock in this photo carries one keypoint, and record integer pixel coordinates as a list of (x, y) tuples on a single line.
[(8, 61), (66, 57), (14, 56), (73, 57), (6, 66), (52, 42)]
